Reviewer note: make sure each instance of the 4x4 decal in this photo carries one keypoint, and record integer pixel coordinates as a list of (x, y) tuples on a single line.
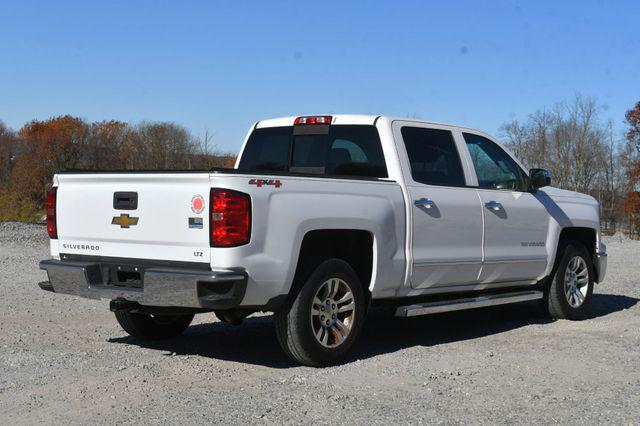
[(260, 182)]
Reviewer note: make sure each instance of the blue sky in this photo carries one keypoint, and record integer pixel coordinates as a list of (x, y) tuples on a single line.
[(222, 65)]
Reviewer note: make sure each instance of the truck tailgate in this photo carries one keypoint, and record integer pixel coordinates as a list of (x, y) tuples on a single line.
[(157, 216)]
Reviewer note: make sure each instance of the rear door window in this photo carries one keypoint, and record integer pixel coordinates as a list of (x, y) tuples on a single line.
[(433, 156), (349, 150)]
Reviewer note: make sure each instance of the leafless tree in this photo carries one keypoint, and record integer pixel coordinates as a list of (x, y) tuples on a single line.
[(582, 153), (7, 153), (613, 181)]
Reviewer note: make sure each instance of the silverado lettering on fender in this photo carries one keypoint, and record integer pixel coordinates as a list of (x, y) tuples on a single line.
[(322, 217)]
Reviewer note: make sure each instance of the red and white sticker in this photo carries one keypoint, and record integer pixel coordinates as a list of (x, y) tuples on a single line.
[(197, 204)]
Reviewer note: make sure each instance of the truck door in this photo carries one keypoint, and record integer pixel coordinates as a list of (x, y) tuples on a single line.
[(516, 224), (446, 215)]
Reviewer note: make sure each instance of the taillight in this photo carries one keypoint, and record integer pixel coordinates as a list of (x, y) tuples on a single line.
[(52, 227), (320, 119), (230, 220)]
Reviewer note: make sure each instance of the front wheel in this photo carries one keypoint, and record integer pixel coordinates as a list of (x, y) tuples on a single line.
[(569, 291), (323, 320), (153, 327)]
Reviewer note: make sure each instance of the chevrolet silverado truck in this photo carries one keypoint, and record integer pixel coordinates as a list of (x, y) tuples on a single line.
[(322, 217)]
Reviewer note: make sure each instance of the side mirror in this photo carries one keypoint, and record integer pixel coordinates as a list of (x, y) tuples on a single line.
[(539, 178)]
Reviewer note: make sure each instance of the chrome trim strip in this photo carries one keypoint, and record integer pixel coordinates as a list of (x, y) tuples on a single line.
[(438, 263), (536, 259), (477, 262)]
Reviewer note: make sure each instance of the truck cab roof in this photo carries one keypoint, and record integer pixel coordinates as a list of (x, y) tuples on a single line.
[(362, 119)]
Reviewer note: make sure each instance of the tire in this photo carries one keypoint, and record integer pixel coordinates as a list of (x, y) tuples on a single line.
[(308, 331), (570, 287), (148, 327)]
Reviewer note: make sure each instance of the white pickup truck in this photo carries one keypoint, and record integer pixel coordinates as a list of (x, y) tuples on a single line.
[(322, 217)]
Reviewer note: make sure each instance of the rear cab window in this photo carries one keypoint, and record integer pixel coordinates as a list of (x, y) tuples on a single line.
[(336, 150), (267, 150)]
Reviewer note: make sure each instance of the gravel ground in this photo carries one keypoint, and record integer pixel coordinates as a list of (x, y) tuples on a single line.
[(65, 360)]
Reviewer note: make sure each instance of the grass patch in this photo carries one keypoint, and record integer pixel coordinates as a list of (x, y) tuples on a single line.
[(14, 207)]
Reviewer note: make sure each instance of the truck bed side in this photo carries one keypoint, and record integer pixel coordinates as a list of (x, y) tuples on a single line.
[(284, 214)]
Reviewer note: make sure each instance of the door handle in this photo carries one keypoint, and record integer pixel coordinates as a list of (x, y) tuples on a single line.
[(424, 202), (493, 205)]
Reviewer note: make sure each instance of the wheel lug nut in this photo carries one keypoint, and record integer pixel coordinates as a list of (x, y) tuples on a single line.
[(333, 316), (333, 306), (322, 308), (322, 318), (328, 322)]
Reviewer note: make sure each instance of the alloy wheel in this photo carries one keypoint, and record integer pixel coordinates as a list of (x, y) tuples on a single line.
[(576, 281), (332, 312)]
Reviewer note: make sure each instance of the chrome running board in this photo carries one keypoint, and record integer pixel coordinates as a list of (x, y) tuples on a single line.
[(468, 303)]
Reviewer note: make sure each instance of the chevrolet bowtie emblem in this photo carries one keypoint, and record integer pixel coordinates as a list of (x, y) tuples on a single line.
[(125, 221)]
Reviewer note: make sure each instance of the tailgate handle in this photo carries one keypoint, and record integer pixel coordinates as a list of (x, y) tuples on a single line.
[(125, 200)]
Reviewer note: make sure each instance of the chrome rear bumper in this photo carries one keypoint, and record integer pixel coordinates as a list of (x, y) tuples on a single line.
[(158, 286)]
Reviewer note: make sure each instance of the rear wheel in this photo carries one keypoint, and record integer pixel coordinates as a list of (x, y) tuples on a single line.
[(571, 285), (152, 327), (323, 319)]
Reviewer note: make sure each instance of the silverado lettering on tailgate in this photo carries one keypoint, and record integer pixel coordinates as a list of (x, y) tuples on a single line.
[(89, 247)]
